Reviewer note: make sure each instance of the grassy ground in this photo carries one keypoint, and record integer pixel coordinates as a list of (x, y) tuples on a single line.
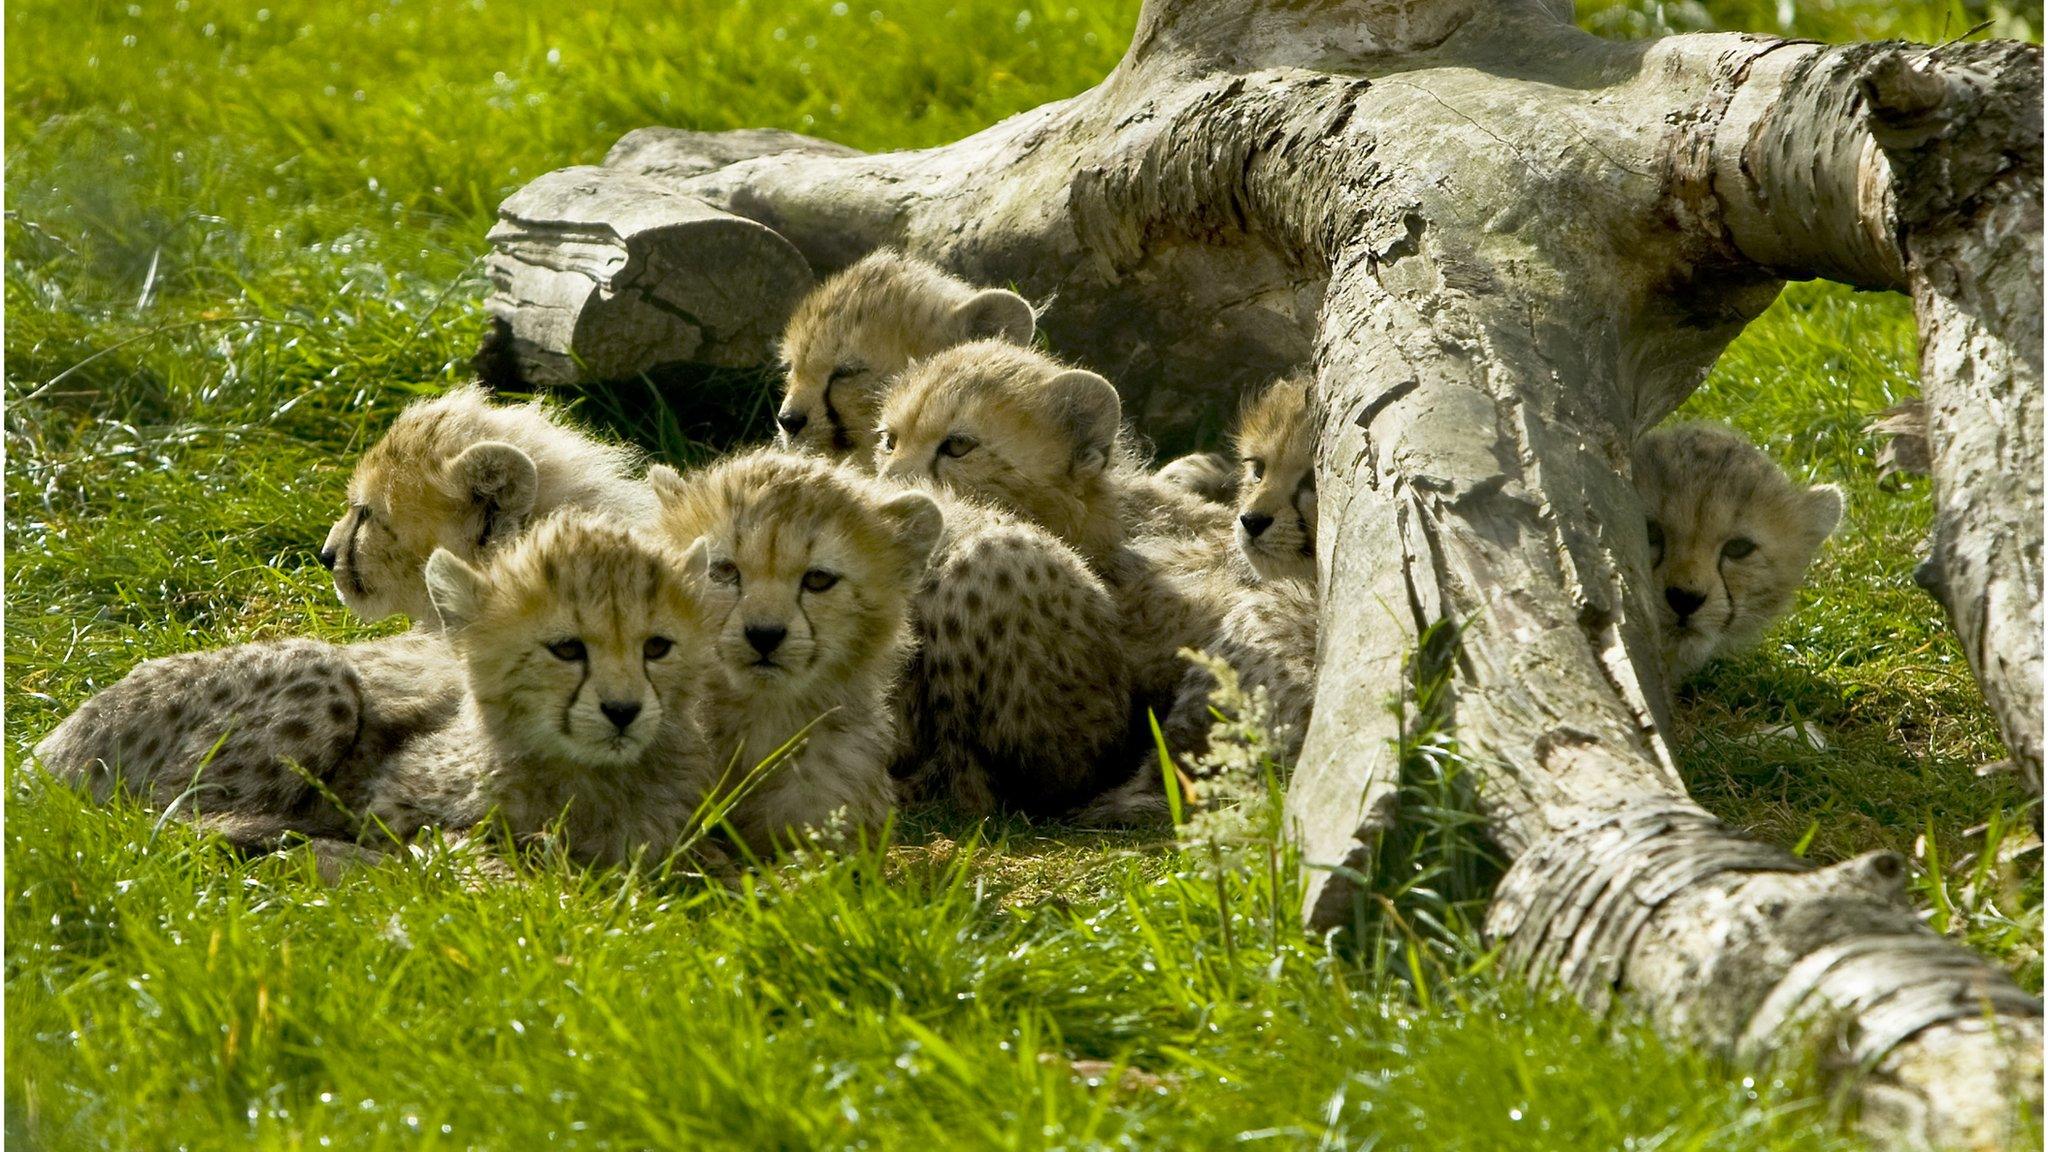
[(239, 237)]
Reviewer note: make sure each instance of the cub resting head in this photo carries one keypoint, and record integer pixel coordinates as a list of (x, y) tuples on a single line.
[(461, 473), (860, 328)]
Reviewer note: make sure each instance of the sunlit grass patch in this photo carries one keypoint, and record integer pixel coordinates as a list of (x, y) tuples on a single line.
[(240, 237)]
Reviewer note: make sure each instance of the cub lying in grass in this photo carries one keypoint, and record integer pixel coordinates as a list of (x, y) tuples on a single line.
[(811, 569), (579, 645), (462, 473)]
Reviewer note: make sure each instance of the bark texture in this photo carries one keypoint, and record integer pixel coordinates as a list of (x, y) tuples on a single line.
[(600, 274), (1509, 247)]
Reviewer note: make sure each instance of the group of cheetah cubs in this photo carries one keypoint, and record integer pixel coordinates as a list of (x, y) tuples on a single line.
[(953, 579)]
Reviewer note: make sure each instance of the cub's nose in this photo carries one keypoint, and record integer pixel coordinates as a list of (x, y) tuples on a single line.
[(791, 423), (327, 558), (620, 713), (1683, 601), (765, 638), (1255, 523)]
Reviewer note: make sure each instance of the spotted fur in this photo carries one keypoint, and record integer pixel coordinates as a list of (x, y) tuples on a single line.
[(811, 572), (250, 728), (859, 328), (1019, 695), (1731, 538)]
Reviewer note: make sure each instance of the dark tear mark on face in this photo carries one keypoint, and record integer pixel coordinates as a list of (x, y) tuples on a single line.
[(355, 569)]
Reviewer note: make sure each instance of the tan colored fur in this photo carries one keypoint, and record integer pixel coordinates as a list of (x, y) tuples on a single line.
[(1017, 428), (1211, 476), (1269, 637), (1020, 430), (1731, 538), (829, 561), (862, 326), (1276, 490), (330, 741), (463, 473), (583, 645)]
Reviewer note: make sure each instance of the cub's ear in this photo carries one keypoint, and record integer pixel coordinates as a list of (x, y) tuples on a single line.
[(996, 314), (1824, 509), (1088, 407), (695, 563), (668, 484), (918, 522), (456, 589), (501, 479)]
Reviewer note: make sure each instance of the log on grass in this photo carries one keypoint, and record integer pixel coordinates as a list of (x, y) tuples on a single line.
[(1510, 247)]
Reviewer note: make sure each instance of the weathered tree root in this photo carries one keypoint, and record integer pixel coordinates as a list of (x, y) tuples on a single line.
[(1509, 247)]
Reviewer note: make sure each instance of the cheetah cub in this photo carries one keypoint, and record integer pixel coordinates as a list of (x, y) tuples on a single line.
[(1020, 430), (1267, 630), (861, 327), (1270, 478), (1020, 691), (248, 729), (1731, 537), (461, 473), (811, 570), (455, 470), (577, 646), (582, 643), (1276, 493)]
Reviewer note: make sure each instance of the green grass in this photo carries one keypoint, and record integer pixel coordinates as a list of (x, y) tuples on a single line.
[(238, 238)]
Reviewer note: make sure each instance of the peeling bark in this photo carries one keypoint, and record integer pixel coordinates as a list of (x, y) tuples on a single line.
[(1509, 248)]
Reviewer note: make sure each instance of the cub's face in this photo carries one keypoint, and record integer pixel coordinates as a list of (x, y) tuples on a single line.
[(1276, 504), (401, 507), (808, 569), (377, 556), (1005, 425), (974, 443), (578, 643), (1276, 508), (832, 384), (860, 328), (1730, 541)]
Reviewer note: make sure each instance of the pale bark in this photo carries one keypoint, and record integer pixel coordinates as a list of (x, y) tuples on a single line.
[(600, 274), (1508, 247)]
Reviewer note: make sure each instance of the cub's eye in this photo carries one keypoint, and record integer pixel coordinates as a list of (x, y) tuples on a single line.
[(1308, 483), (1739, 547), (568, 650), (845, 372), (887, 440), (957, 445), (1256, 467), (1656, 533), (656, 647), (819, 580), (725, 572)]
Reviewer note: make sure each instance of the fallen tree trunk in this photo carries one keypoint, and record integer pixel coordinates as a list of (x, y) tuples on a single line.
[(1509, 247)]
